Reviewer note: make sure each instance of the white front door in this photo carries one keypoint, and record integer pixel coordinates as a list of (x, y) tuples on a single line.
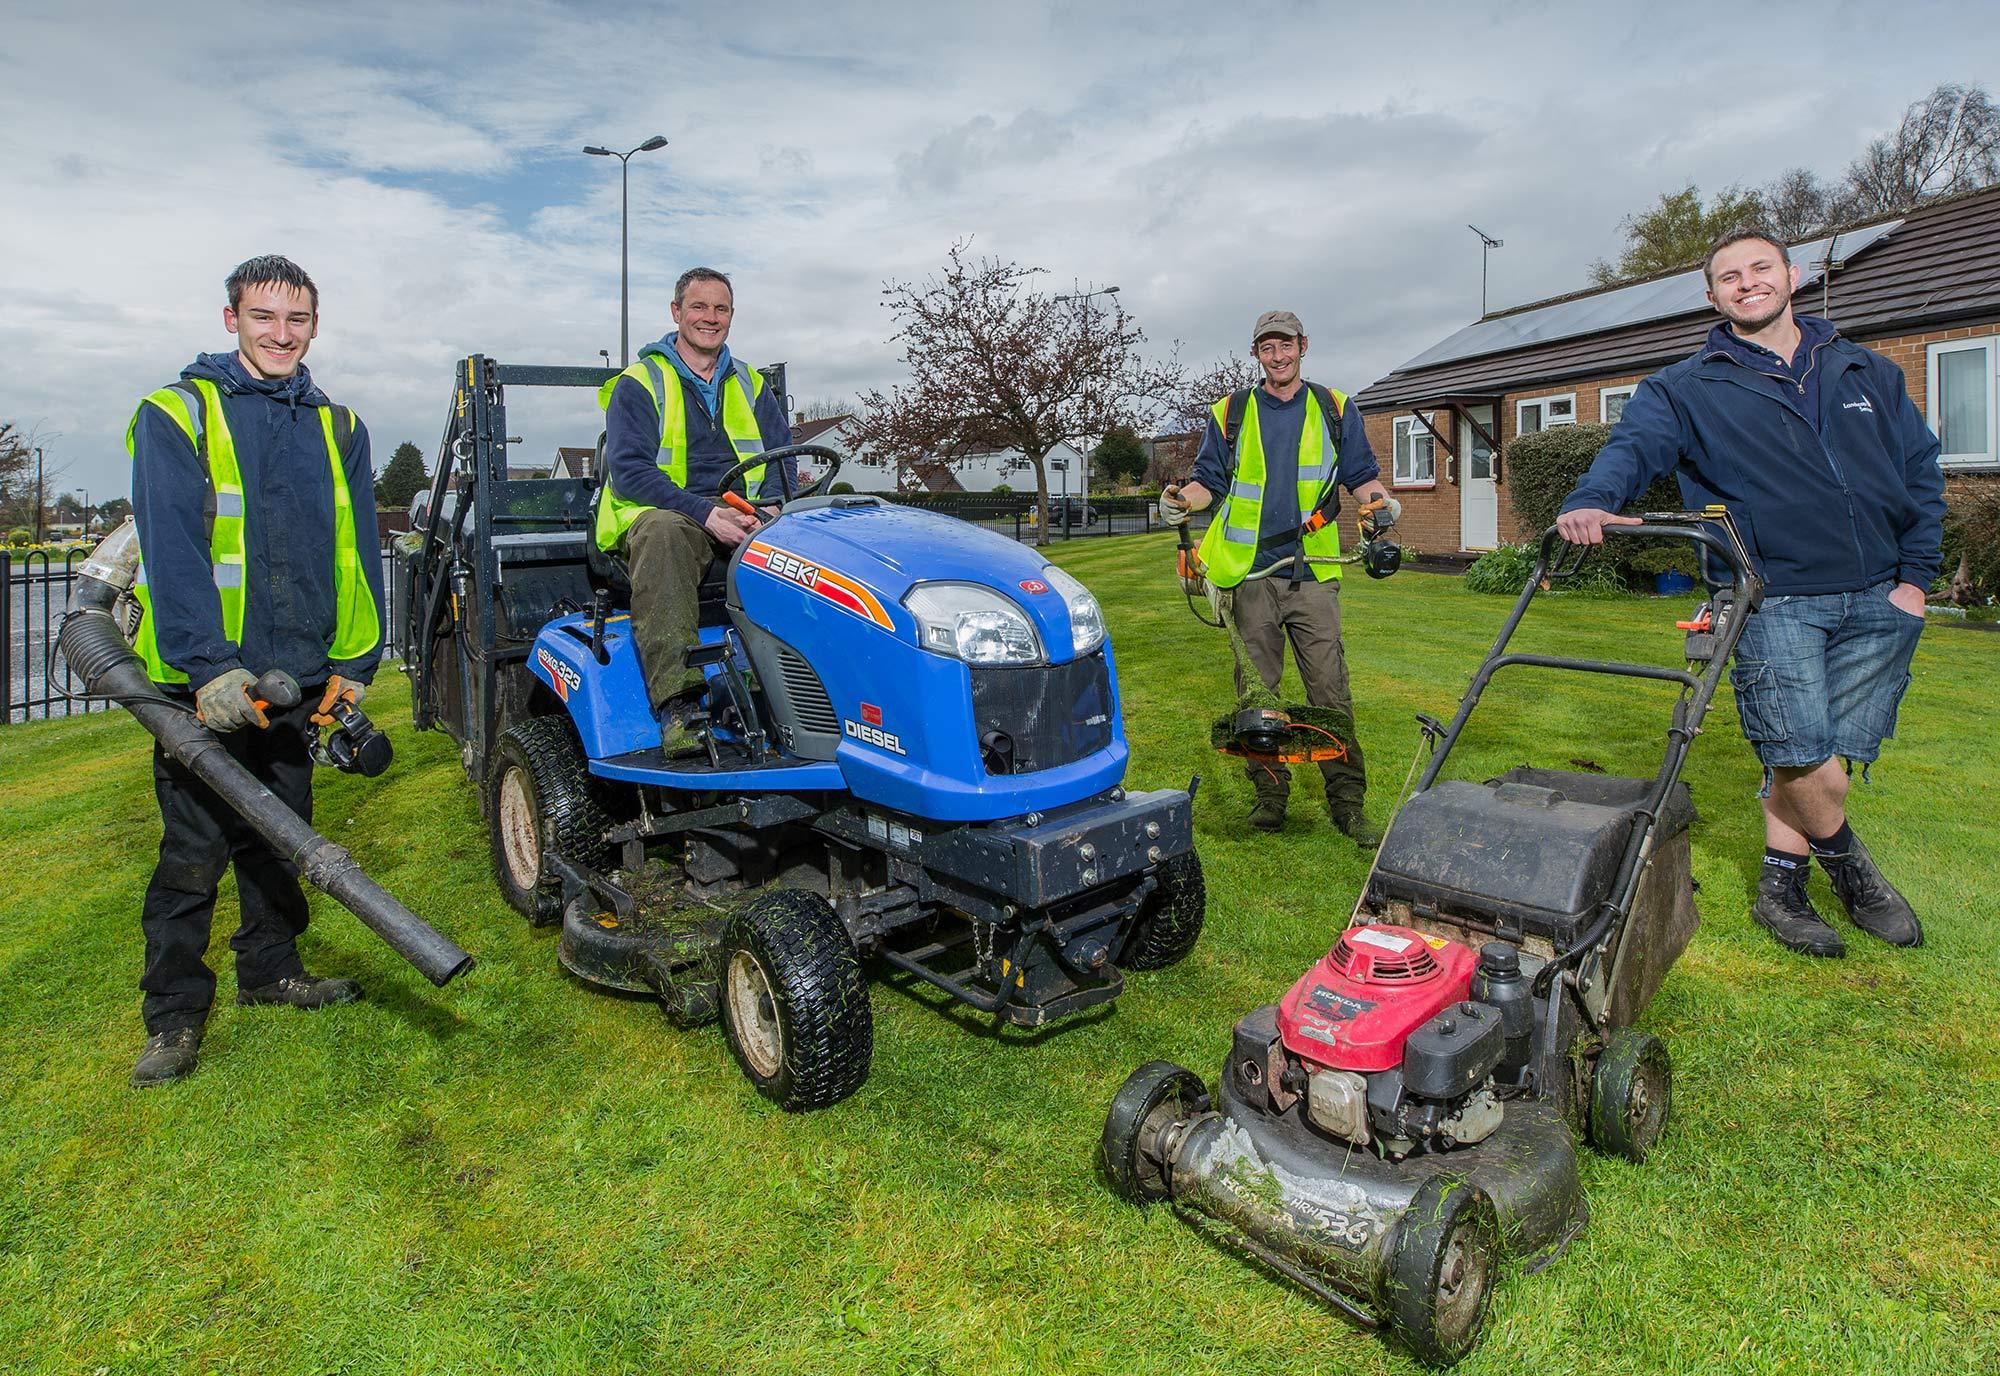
[(1478, 493)]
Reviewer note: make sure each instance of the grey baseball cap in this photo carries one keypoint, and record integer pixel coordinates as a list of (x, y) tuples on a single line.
[(1278, 322)]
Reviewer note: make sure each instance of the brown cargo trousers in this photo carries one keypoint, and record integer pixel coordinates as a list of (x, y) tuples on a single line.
[(1268, 611), (667, 555)]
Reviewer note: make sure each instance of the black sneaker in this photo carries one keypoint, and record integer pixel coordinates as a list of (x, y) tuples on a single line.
[(167, 1056), (1783, 910), (1871, 901), (302, 991), (1268, 815)]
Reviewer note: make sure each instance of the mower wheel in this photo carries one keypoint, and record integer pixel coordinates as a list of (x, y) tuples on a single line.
[(1630, 1095), (541, 801), (1170, 923), (1442, 1263), (794, 1003), (1153, 1098)]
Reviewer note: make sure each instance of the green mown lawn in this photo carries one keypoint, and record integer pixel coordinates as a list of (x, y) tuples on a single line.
[(521, 1174)]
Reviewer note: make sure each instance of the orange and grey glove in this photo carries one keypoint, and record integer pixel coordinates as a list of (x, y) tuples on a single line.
[(224, 702), (338, 688)]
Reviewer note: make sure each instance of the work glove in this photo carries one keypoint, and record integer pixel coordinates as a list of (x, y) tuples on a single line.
[(1382, 513), (1173, 511), (338, 687), (224, 704)]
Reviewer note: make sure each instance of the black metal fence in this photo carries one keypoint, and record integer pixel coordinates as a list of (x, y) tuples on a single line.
[(34, 589)]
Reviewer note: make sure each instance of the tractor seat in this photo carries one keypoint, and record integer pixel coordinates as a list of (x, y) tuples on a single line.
[(609, 571)]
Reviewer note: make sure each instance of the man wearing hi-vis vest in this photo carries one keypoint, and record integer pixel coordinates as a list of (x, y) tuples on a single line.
[(674, 423), (255, 506), (1277, 457)]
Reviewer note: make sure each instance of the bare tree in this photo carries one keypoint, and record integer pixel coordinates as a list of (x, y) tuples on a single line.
[(26, 478), (1799, 205), (823, 408), (1947, 142), (1186, 409), (996, 364)]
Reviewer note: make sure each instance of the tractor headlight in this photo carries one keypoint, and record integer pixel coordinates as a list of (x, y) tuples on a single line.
[(972, 623), (1086, 618)]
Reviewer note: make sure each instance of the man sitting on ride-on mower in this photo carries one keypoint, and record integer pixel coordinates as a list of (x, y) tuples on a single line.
[(674, 423)]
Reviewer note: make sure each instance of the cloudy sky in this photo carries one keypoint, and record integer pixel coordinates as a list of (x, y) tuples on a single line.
[(1212, 161)]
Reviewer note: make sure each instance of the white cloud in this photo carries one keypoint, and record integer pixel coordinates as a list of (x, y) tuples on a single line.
[(423, 163)]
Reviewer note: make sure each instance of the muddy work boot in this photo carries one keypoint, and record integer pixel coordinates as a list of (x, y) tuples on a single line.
[(302, 991), (1351, 820), (677, 736), (167, 1056), (1871, 901), (1783, 910), (1269, 813)]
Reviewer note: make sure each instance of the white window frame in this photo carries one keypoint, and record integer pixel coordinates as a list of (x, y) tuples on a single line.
[(1543, 402), (1414, 428), (1991, 346), (1604, 401)]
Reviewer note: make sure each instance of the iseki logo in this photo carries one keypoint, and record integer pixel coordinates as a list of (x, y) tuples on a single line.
[(1034, 586), (791, 566)]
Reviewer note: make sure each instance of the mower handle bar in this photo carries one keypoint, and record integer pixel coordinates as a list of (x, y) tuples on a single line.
[(1693, 526)]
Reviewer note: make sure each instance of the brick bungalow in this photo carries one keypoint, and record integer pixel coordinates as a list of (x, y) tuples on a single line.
[(1922, 288)]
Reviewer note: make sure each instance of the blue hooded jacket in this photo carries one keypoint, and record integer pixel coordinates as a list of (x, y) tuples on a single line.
[(1829, 498), (289, 611), (632, 440)]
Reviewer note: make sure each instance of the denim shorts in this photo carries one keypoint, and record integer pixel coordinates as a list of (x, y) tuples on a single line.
[(1820, 676)]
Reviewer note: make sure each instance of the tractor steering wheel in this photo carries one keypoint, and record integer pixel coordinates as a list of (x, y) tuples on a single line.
[(818, 451)]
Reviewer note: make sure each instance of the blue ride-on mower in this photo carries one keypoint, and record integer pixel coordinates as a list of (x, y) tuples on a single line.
[(1407, 1116), (911, 755)]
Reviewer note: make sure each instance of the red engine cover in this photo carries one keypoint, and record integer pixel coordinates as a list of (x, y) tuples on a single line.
[(1379, 983)]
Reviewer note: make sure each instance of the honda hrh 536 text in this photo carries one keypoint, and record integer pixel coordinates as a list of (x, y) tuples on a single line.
[(911, 754), (1406, 1116)]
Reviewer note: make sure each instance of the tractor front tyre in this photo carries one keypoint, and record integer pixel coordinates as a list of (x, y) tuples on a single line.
[(1152, 1100), (1170, 921), (794, 1003), (1631, 1092), (1442, 1263), (541, 801)]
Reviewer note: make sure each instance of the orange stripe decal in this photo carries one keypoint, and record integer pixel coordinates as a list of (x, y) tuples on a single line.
[(849, 594)]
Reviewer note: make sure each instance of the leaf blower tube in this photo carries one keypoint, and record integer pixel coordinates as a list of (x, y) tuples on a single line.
[(96, 652)]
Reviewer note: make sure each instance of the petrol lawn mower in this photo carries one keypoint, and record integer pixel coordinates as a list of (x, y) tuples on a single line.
[(911, 752), (1406, 1116)]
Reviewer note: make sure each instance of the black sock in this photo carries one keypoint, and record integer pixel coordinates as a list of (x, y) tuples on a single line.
[(1793, 867), (1840, 843)]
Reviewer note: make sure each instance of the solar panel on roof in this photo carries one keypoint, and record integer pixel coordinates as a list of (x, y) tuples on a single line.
[(1660, 299)]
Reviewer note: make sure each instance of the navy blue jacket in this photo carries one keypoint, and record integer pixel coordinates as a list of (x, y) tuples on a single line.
[(632, 441), (1828, 502), (289, 616), (1280, 425)]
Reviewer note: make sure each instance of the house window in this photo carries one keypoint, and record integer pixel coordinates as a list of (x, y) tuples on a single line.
[(1416, 453), (1611, 403), (1544, 413), (1962, 387)]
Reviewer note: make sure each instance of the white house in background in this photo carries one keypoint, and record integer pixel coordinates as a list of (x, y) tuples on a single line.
[(842, 435)]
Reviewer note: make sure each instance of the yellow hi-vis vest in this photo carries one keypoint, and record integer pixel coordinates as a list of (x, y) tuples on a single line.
[(1229, 548), (358, 625), (662, 382)]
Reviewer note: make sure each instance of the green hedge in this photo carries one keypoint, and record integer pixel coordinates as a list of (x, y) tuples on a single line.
[(1972, 530), (1543, 467)]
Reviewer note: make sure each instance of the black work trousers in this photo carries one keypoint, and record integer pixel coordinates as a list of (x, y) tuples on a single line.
[(201, 837)]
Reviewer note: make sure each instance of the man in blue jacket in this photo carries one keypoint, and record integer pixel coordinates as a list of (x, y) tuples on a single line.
[(255, 506), (674, 423), (1832, 477)]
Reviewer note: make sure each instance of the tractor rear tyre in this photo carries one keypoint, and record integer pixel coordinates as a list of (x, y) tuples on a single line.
[(1170, 922), (541, 801), (1442, 1263), (1153, 1098), (1631, 1093), (794, 1003)]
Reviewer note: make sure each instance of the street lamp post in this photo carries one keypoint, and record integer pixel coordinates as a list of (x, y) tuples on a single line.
[(1088, 320), (625, 238), (84, 493)]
